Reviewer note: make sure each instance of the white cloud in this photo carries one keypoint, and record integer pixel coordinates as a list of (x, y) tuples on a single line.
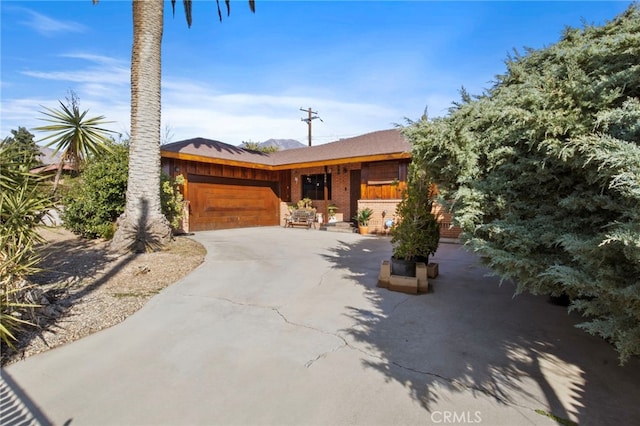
[(101, 70), (198, 110), (194, 108), (48, 26), (100, 82)]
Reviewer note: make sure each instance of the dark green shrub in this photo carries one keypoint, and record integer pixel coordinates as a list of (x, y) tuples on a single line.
[(96, 199), (171, 199)]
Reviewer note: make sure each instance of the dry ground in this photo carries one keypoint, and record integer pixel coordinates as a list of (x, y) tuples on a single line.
[(84, 289)]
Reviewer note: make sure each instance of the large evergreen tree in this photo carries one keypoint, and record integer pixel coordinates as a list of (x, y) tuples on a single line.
[(543, 172)]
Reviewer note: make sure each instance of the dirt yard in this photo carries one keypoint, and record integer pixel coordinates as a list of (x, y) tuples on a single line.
[(83, 289)]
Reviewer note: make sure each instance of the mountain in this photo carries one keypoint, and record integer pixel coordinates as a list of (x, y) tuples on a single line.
[(283, 143), (47, 157)]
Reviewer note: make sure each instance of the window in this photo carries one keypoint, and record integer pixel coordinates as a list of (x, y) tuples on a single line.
[(383, 173), (313, 186)]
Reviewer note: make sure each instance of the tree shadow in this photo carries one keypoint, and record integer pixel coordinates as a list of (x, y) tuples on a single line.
[(65, 268), (470, 334), (210, 147), (70, 261)]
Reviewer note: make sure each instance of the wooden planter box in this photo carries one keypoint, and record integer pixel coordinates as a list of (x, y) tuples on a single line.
[(432, 270)]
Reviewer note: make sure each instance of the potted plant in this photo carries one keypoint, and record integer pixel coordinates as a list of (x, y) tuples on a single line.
[(305, 203), (363, 217), (332, 209), (415, 234)]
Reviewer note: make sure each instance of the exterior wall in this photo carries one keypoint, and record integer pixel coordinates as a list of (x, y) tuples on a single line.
[(386, 209), (284, 212), (339, 188), (447, 230), (382, 210), (389, 185), (381, 197), (175, 167)]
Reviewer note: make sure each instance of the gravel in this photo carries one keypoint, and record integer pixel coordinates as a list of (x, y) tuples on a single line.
[(83, 289)]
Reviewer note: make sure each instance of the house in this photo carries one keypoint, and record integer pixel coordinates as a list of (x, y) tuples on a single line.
[(228, 187), (50, 163)]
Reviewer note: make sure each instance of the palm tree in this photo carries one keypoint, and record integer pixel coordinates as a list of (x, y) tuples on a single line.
[(74, 135), (142, 226)]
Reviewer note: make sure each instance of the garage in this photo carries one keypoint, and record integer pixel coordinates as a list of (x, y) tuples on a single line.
[(224, 203)]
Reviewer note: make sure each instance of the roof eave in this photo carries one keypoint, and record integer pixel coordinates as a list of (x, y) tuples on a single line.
[(345, 160), (214, 160), (288, 166)]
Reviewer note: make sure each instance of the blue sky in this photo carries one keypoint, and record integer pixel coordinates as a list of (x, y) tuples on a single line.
[(363, 65)]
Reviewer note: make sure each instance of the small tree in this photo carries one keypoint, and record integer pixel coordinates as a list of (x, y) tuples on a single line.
[(74, 135), (416, 233)]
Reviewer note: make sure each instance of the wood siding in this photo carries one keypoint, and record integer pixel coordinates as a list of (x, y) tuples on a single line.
[(222, 196), (184, 167), (384, 180)]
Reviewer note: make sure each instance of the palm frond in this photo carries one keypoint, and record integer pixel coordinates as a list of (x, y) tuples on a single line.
[(187, 11), (73, 134)]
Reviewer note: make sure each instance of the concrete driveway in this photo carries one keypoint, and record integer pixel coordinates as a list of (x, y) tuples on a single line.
[(287, 327)]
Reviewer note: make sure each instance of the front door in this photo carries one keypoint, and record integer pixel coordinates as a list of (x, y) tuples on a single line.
[(354, 193)]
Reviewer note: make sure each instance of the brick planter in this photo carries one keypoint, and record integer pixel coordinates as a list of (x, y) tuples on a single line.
[(409, 285)]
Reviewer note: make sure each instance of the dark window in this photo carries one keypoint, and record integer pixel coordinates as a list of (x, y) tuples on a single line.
[(313, 186)]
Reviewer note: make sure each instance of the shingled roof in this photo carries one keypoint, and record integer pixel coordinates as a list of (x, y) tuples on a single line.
[(208, 148), (382, 142)]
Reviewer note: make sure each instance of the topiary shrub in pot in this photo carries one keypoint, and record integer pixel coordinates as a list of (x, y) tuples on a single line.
[(416, 233)]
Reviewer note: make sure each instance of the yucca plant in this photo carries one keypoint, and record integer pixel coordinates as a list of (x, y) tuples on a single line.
[(75, 136), (12, 288), (22, 205)]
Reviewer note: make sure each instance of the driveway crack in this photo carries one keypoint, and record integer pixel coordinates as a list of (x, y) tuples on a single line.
[(318, 330), (397, 305), (286, 320), (498, 396)]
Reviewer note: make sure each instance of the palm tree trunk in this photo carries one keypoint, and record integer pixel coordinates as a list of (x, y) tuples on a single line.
[(142, 226)]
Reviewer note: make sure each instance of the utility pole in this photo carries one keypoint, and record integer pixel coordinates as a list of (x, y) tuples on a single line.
[(312, 116)]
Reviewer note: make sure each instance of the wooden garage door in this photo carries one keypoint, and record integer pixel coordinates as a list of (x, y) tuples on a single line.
[(232, 203)]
